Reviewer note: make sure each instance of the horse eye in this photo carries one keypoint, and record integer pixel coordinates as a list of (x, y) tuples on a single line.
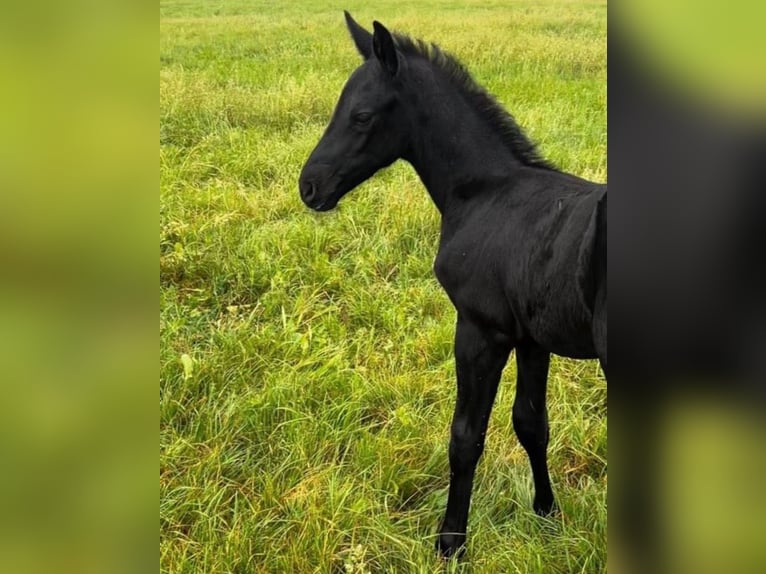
[(362, 118)]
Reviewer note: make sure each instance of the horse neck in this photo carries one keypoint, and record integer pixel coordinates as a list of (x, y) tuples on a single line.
[(452, 147)]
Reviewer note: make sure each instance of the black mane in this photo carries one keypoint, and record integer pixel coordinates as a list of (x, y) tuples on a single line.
[(511, 134)]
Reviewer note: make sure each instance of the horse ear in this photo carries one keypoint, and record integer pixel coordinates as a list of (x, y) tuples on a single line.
[(362, 38), (383, 46)]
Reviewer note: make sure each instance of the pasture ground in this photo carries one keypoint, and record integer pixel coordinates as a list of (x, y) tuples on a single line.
[(306, 371)]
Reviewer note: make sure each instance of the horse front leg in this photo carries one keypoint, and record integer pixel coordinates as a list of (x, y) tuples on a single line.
[(480, 357)]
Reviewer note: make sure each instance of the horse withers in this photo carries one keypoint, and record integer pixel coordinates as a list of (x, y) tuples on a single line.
[(522, 251)]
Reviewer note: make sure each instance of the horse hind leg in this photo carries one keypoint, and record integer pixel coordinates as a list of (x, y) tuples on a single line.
[(599, 327), (530, 420)]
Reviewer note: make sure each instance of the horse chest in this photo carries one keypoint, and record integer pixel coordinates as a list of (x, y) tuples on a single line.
[(454, 269), (468, 274)]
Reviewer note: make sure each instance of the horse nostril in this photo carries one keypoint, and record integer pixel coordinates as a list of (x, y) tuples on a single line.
[(308, 190)]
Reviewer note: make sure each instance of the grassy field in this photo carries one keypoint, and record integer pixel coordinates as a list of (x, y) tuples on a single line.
[(306, 371)]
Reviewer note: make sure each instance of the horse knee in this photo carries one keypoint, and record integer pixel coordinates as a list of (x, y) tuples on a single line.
[(465, 447), (531, 426)]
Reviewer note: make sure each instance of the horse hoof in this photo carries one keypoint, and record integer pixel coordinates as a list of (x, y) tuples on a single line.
[(544, 507), (451, 545)]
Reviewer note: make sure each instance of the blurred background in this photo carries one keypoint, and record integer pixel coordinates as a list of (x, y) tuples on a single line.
[(686, 268), (78, 287)]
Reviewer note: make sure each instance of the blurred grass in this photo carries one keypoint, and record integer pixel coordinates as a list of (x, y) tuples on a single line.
[(306, 369), (77, 215)]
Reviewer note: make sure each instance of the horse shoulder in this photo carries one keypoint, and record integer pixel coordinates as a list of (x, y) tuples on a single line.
[(468, 268)]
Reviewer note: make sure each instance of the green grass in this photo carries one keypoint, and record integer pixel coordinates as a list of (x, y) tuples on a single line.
[(306, 370)]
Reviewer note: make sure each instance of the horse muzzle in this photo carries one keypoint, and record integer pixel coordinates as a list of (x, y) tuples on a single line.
[(314, 185)]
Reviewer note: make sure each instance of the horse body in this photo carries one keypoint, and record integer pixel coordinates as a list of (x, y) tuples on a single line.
[(517, 270), (522, 250)]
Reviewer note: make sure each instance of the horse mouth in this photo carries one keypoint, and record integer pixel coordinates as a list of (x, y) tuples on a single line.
[(323, 194), (326, 205), (328, 202)]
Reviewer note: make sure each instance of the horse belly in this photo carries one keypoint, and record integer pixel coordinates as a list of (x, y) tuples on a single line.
[(573, 348), (563, 334)]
